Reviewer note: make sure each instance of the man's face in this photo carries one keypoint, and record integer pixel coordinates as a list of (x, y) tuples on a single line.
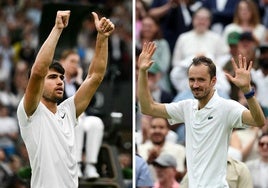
[(53, 86), (263, 147), (201, 21), (158, 131), (200, 82), (71, 64)]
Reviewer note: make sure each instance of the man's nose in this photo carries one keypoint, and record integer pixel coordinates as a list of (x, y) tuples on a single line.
[(59, 81), (195, 84)]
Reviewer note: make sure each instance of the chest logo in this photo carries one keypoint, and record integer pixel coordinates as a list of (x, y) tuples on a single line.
[(210, 117)]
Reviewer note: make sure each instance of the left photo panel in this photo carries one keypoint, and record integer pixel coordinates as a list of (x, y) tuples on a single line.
[(66, 105)]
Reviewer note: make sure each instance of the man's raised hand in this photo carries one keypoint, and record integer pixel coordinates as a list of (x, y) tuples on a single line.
[(145, 59), (242, 73), (62, 19), (104, 26)]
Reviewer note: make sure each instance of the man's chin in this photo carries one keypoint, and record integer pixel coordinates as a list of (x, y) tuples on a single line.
[(59, 98)]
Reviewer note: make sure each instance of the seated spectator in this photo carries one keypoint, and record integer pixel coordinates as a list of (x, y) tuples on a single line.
[(175, 17), (150, 31), (246, 19), (259, 167), (222, 13), (158, 144), (143, 135), (197, 42), (165, 167), (238, 175)]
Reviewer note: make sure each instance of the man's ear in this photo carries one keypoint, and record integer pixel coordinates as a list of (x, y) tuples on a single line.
[(214, 80)]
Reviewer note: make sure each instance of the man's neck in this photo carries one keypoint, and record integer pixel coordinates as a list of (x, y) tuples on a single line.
[(51, 106)]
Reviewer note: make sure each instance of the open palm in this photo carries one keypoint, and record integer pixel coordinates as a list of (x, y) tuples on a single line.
[(242, 73), (145, 58)]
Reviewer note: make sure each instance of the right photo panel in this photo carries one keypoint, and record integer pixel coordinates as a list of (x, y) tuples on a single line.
[(200, 84)]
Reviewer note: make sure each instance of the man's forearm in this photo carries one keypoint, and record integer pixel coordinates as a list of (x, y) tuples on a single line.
[(256, 111), (145, 97), (46, 53), (99, 61)]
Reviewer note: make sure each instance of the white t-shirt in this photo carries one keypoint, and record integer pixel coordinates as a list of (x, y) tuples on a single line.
[(50, 143), (207, 137)]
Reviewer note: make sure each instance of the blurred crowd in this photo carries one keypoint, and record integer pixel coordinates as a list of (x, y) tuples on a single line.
[(182, 30), (19, 43)]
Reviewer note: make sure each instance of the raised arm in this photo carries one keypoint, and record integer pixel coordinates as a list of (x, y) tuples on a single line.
[(97, 68), (159, 12), (148, 105), (254, 116), (43, 59)]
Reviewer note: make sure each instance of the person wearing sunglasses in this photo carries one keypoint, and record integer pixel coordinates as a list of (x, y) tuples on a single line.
[(259, 167)]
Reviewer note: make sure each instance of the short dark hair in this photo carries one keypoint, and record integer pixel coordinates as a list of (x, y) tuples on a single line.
[(202, 60), (55, 65)]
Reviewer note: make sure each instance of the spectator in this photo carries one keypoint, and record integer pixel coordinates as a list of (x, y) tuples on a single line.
[(247, 46), (233, 41), (143, 175), (222, 13), (141, 12), (143, 135), (19, 82), (150, 31), (175, 17), (158, 144), (259, 167), (165, 167), (246, 19), (197, 42)]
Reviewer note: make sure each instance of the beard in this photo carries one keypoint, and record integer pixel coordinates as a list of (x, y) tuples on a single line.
[(158, 141), (200, 93), (52, 98)]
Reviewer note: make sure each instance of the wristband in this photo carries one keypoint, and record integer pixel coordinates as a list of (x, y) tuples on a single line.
[(250, 94)]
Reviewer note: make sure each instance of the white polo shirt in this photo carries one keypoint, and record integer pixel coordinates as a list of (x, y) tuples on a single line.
[(207, 137), (49, 139)]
